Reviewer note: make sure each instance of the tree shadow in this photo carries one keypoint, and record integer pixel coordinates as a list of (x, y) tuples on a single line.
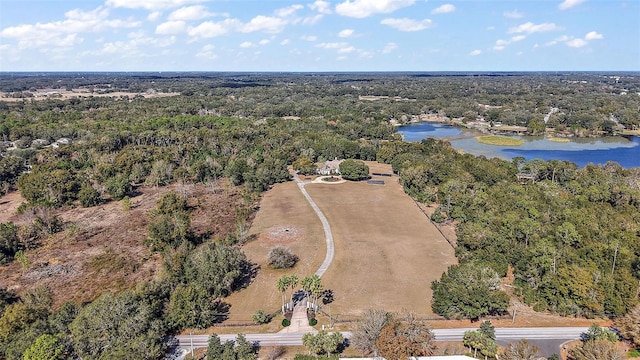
[(327, 296), (249, 272)]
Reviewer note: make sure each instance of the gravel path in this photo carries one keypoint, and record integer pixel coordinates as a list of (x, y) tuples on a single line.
[(325, 226)]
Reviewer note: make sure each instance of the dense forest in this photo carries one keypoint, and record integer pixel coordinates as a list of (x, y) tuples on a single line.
[(569, 235)]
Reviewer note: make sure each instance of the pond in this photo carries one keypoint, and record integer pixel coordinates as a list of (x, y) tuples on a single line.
[(623, 150)]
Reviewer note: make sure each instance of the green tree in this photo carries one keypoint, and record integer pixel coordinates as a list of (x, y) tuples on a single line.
[(170, 224), (304, 165), (351, 169), (119, 186), (89, 196), (118, 326), (478, 341), (596, 332), (468, 290), (46, 347), (244, 349), (9, 242), (322, 342), (191, 306)]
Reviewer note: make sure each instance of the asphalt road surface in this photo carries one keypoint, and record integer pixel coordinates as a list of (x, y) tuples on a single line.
[(548, 339)]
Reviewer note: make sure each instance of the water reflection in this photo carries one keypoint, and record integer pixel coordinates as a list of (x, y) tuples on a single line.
[(623, 150)]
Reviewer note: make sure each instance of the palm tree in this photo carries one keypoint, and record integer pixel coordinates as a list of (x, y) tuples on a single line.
[(293, 282), (282, 284), (313, 288)]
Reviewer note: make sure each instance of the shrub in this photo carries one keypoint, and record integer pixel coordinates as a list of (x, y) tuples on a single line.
[(286, 322), (89, 196), (437, 217), (281, 257), (351, 169), (313, 322), (260, 317)]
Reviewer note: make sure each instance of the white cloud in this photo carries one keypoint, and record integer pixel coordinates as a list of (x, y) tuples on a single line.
[(502, 44), (66, 32), (323, 7), (171, 28), (207, 52), (288, 11), (309, 38), (264, 42), (515, 14), (152, 5), (346, 50), (188, 13), (310, 20), (285, 42), (530, 28), (389, 48), (405, 24), (365, 8), (561, 39), (567, 4), (154, 16), (247, 44), (475, 52), (345, 33), (339, 47), (577, 43), (593, 36), (209, 29), (333, 45), (443, 9), (264, 23)]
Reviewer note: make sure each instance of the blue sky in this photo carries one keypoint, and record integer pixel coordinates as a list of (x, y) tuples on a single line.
[(322, 35)]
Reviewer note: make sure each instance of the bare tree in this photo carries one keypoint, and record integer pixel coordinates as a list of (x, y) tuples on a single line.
[(520, 350), (599, 349), (368, 331)]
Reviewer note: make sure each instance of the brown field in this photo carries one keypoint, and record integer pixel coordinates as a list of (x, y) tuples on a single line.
[(101, 249), (386, 250), (62, 94), (285, 218)]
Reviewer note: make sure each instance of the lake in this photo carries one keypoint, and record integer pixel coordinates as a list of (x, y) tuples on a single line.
[(623, 150)]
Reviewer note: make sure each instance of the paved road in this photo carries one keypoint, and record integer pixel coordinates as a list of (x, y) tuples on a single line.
[(503, 335), (325, 226)]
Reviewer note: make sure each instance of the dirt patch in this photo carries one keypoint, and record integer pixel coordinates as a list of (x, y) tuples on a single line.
[(102, 248), (282, 235), (9, 205)]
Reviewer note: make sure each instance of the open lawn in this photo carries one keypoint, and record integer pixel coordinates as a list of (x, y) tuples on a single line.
[(387, 251), (285, 218)]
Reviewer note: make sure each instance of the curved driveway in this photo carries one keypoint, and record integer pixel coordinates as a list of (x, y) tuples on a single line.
[(328, 236)]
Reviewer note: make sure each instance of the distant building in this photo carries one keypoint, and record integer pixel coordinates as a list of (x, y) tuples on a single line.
[(331, 167), (62, 141)]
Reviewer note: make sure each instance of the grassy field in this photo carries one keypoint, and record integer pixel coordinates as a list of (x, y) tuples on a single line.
[(500, 140), (387, 251), (285, 218)]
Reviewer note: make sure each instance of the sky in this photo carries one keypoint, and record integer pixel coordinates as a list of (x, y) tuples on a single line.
[(320, 35)]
